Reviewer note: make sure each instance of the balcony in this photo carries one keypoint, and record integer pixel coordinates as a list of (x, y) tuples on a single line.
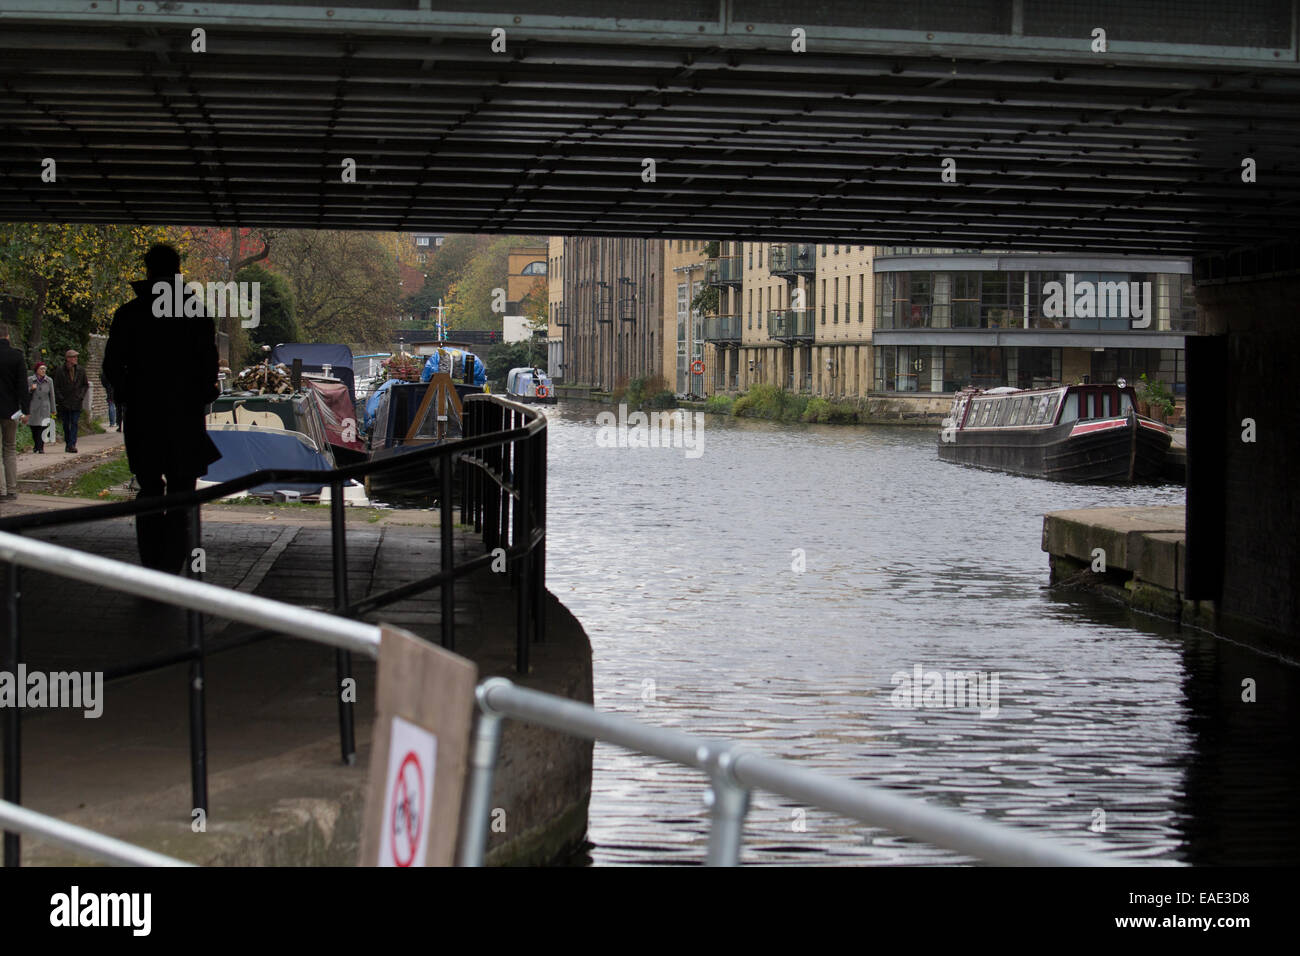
[(724, 271), (561, 316), (790, 325), (789, 260), (722, 329)]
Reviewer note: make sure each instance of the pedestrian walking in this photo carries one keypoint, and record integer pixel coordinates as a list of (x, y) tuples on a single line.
[(164, 429), (70, 387), (40, 412), (112, 403), (13, 407)]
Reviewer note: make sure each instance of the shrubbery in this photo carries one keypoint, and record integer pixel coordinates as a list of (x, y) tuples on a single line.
[(719, 404), (648, 392), (776, 404)]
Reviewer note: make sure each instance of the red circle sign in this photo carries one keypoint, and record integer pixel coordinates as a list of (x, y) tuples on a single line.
[(408, 805)]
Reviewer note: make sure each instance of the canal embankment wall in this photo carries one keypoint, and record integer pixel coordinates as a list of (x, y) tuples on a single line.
[(923, 411), (1139, 556)]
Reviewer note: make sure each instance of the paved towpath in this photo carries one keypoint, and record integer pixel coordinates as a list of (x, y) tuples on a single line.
[(279, 793)]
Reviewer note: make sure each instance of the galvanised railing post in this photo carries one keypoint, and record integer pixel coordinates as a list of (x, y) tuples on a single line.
[(342, 658), (482, 771), (198, 717), (13, 715), (728, 803), (447, 591), (523, 565), (507, 480), (538, 442)]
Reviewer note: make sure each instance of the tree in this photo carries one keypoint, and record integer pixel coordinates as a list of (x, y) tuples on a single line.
[(537, 305), (472, 295), (63, 282), (445, 266), (345, 284), (277, 310), (707, 301), (218, 254), (504, 356)]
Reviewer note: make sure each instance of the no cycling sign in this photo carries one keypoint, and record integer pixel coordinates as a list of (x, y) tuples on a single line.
[(424, 709), (408, 797)]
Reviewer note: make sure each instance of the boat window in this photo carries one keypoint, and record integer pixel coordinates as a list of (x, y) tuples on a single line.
[(1107, 409), (1051, 409), (1018, 412), (987, 414), (1070, 409), (1125, 403)]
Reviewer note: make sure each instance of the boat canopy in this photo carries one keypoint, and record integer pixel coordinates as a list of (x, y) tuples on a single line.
[(338, 413), (315, 356), (524, 381), (246, 449), (295, 412)]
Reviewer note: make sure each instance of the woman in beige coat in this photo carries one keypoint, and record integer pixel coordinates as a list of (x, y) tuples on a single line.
[(41, 412)]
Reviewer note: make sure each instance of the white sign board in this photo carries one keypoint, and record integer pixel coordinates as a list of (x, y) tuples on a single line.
[(408, 795)]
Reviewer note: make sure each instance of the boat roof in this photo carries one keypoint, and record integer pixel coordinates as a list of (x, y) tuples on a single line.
[(313, 354)]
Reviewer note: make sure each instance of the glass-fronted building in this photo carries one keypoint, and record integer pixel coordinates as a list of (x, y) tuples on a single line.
[(945, 319)]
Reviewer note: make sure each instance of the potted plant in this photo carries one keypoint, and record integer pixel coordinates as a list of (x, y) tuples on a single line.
[(1158, 399)]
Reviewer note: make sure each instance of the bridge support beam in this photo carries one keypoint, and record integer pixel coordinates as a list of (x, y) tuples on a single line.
[(1243, 445)]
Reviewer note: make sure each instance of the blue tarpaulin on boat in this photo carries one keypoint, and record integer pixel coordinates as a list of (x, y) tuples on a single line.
[(372, 403), (244, 452), (456, 366)]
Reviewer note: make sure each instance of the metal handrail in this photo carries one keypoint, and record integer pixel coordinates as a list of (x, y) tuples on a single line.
[(195, 596), (734, 771), (340, 632), (89, 843), (139, 506), (500, 462)]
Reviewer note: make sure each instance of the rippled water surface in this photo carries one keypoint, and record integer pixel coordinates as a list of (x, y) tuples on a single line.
[(1113, 730)]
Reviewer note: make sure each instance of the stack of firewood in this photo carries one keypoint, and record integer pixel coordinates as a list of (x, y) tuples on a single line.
[(265, 378)]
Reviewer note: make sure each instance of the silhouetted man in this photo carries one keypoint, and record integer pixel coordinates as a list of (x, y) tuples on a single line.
[(163, 371)]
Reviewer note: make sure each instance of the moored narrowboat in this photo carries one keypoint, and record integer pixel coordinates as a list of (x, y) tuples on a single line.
[(530, 385), (1081, 433)]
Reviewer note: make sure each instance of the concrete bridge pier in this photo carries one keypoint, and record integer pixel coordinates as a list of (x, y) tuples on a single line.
[(1243, 448)]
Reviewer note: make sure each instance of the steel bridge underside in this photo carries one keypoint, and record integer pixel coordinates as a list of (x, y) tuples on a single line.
[(1138, 149)]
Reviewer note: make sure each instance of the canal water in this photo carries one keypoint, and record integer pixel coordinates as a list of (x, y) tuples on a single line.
[(1108, 729)]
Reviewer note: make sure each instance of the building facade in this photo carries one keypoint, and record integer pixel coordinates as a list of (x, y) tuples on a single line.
[(609, 310), (945, 319), (795, 315), (848, 321), (685, 272), (555, 308)]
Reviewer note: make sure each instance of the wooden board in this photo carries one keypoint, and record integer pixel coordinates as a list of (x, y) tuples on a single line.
[(433, 689)]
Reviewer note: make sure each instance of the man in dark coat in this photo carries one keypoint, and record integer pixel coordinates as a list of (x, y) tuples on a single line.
[(163, 372), (70, 388), (14, 397)]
